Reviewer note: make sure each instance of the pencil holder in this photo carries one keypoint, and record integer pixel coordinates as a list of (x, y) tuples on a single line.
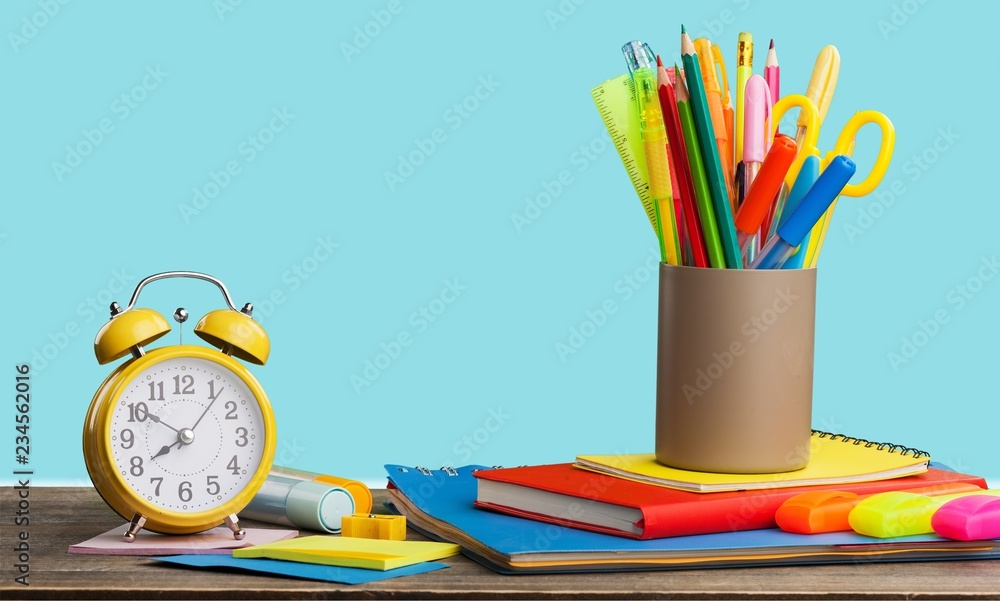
[(735, 369)]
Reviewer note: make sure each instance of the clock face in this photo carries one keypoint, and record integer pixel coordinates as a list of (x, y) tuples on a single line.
[(187, 434)]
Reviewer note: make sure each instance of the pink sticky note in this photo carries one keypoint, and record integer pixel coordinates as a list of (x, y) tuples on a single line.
[(217, 541)]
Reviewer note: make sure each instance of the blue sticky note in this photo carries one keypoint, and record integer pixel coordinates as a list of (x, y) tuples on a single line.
[(296, 569)]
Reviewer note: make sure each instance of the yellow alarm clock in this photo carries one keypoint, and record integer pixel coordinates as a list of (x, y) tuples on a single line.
[(178, 439)]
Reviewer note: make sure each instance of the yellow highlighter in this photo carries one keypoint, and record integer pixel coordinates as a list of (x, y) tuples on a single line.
[(898, 513), (713, 94), (744, 69)]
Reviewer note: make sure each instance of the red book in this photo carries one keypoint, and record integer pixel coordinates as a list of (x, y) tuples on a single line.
[(568, 496)]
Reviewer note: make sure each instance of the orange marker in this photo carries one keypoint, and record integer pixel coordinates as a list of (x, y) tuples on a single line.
[(827, 510), (763, 190)]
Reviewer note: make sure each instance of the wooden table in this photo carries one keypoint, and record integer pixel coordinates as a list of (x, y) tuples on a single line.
[(63, 516)]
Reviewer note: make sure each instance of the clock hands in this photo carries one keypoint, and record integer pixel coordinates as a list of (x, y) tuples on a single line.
[(203, 413), (156, 419), (185, 436), (165, 449)]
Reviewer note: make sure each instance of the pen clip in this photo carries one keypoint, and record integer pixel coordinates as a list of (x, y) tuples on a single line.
[(845, 145)]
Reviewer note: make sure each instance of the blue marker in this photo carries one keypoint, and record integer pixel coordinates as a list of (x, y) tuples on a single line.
[(808, 175), (809, 210)]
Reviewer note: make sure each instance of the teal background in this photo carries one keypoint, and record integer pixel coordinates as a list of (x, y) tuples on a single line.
[(484, 382)]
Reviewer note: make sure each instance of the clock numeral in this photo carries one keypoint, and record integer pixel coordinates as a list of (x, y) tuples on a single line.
[(156, 391), (184, 491), (129, 440), (158, 482), (233, 466), (212, 395), (138, 412), (213, 486), (241, 437), (231, 410), (188, 384), (136, 469)]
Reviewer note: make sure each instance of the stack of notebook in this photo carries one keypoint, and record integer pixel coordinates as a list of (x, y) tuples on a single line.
[(586, 516)]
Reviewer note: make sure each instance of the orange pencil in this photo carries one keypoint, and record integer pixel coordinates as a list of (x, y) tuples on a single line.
[(713, 94)]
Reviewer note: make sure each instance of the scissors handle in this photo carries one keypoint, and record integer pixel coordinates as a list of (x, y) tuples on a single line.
[(845, 146), (807, 145)]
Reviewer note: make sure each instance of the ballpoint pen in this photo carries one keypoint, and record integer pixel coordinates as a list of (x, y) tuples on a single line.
[(640, 60), (713, 94), (756, 125), (710, 155), (761, 193), (806, 214), (744, 68)]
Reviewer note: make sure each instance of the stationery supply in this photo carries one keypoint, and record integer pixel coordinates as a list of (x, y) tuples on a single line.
[(293, 569), (568, 496), (368, 553), (386, 527), (359, 492), (215, 541), (440, 504), (968, 518), (722, 151), (300, 503), (834, 459), (898, 513), (816, 511)]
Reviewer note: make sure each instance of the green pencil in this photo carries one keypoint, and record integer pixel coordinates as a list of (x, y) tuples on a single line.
[(702, 195), (709, 152)]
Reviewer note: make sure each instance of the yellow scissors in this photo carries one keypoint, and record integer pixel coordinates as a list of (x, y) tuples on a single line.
[(843, 146)]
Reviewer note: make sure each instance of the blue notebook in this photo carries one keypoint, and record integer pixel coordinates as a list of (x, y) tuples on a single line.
[(439, 503)]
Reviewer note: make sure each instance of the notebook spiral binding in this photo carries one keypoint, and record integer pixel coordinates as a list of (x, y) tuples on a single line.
[(881, 446)]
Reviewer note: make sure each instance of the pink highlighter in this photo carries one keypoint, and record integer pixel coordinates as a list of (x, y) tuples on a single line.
[(976, 517)]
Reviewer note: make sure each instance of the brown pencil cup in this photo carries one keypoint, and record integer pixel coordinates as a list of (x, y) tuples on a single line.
[(735, 369)]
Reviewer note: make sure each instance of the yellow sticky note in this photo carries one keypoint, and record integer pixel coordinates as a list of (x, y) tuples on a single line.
[(369, 553)]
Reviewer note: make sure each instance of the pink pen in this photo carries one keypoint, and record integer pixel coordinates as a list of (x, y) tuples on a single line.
[(756, 142), (772, 74)]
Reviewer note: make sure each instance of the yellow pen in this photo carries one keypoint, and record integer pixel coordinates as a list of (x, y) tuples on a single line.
[(713, 94), (744, 69), (822, 84)]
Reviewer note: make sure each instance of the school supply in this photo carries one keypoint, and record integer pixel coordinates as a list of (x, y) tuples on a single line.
[(215, 541), (440, 504), (968, 518), (816, 511), (567, 496), (359, 492), (294, 569), (892, 514), (772, 73), (368, 553), (833, 459), (300, 503), (385, 527)]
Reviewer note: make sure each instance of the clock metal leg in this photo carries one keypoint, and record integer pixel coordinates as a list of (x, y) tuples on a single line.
[(234, 524), (135, 525)]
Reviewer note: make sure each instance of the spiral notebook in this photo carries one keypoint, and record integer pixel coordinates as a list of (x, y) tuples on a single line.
[(834, 459)]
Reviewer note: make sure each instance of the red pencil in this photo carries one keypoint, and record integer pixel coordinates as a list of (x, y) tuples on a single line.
[(678, 152)]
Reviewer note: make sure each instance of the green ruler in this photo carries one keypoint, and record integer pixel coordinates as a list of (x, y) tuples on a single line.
[(615, 100)]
